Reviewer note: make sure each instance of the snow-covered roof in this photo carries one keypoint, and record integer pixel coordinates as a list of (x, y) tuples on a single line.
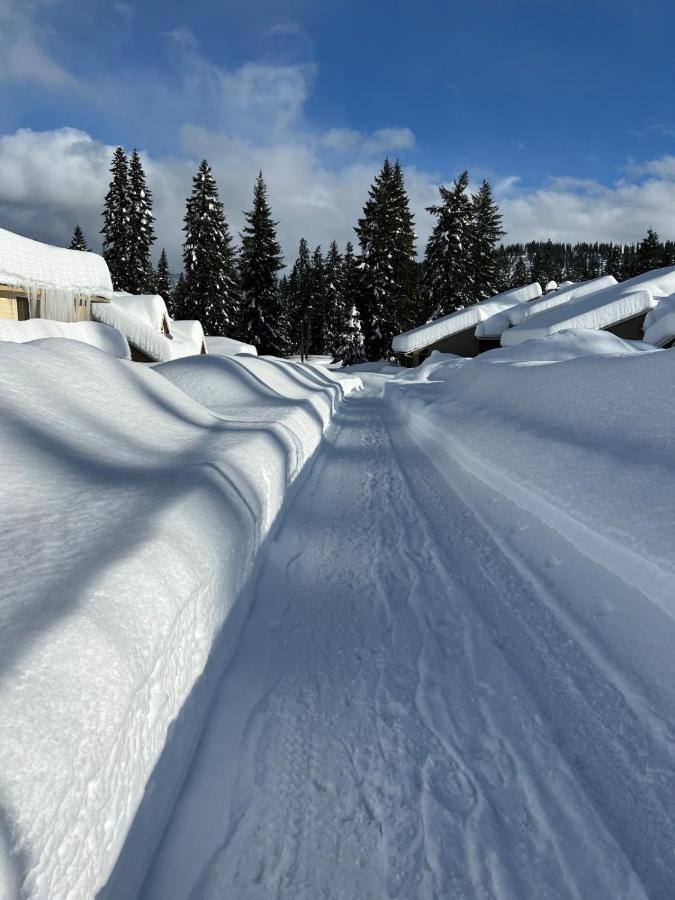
[(24, 263), (188, 337), (660, 323), (599, 309), (151, 308), (565, 294), (142, 336), (224, 346), (94, 333), (462, 319)]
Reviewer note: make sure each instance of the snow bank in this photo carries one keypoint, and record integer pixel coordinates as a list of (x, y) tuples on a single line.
[(93, 333), (599, 309), (141, 325), (587, 445), (224, 346), (26, 262), (130, 529), (461, 319), (567, 292), (660, 323)]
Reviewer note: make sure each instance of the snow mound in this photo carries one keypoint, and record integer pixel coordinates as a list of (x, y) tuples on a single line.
[(130, 530), (188, 337), (224, 346), (660, 323), (93, 333), (25, 262), (461, 319), (565, 345), (149, 308)]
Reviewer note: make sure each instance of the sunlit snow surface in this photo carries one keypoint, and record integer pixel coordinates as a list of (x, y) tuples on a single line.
[(456, 678)]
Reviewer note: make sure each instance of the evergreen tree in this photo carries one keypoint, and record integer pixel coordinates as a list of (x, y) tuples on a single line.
[(520, 276), (317, 302), (299, 302), (141, 230), (614, 261), (334, 309), (260, 261), (78, 240), (163, 282), (486, 232), (448, 281), (387, 241), (545, 266), (668, 254), (178, 299), (649, 252), (116, 222), (210, 290), (350, 351)]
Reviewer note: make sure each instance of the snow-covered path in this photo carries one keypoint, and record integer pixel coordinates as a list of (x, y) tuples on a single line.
[(413, 713)]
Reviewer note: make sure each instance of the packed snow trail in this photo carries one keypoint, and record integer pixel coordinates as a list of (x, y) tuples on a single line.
[(412, 713)]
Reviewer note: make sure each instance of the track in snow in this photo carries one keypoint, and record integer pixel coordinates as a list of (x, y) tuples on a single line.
[(410, 716)]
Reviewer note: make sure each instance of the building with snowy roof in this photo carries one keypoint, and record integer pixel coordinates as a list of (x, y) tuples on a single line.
[(660, 324), (619, 308), (456, 332), (41, 281)]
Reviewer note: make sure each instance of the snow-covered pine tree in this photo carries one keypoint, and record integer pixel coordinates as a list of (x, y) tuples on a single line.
[(260, 260), (520, 276), (387, 241), (163, 281), (351, 348), (317, 301), (649, 252), (486, 233), (78, 240), (448, 279), (299, 301), (210, 291), (140, 276), (334, 308), (545, 266), (116, 230), (614, 261)]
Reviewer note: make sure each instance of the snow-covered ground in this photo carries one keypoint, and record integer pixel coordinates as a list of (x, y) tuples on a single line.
[(132, 516), (456, 678)]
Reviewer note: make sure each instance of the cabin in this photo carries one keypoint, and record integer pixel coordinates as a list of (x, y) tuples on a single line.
[(457, 333), (618, 308), (660, 324), (41, 281)]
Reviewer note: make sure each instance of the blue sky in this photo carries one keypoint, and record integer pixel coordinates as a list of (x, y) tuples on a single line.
[(566, 107)]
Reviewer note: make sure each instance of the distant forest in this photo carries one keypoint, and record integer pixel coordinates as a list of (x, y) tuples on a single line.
[(346, 302)]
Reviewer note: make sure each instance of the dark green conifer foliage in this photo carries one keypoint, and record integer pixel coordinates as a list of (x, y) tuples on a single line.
[(116, 219), (210, 291), (299, 301), (486, 234), (388, 273), (317, 302), (520, 276), (163, 282), (650, 252), (448, 275), (78, 240), (334, 307), (545, 266), (140, 277), (260, 260), (350, 350)]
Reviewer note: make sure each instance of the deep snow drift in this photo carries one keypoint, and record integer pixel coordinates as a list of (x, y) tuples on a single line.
[(132, 515), (457, 679)]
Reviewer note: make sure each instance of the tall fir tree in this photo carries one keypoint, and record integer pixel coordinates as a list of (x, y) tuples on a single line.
[(545, 266), (210, 291), (650, 252), (116, 222), (140, 277), (299, 302), (334, 310), (486, 233), (317, 301), (351, 350), (448, 278), (388, 271), (162, 284), (520, 275), (260, 260), (78, 240)]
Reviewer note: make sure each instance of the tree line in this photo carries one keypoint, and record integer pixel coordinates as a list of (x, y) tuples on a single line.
[(347, 303)]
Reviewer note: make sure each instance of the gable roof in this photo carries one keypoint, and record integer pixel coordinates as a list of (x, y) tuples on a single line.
[(461, 319)]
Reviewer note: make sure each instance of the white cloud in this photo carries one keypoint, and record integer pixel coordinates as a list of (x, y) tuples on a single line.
[(24, 58)]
